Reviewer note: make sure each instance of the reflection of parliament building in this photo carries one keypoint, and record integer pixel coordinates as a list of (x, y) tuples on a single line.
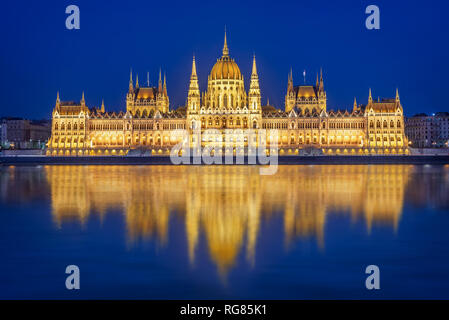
[(374, 128), (226, 206)]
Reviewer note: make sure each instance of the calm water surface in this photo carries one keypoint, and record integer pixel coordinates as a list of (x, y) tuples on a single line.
[(224, 232)]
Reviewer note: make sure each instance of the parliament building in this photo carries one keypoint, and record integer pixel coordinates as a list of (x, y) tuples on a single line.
[(304, 127)]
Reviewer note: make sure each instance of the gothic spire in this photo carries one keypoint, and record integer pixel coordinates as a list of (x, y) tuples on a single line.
[(137, 81), (254, 71), (193, 67), (159, 89), (131, 88), (290, 81), (321, 80)]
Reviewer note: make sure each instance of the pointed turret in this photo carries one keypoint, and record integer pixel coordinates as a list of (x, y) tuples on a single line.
[(370, 98), (165, 85), (102, 105), (397, 95), (137, 81), (131, 88), (58, 102), (193, 74), (148, 79), (317, 83), (355, 104), (321, 80), (254, 70), (83, 102), (290, 81), (159, 89)]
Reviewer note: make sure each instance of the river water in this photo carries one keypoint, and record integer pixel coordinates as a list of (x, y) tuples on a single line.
[(205, 232)]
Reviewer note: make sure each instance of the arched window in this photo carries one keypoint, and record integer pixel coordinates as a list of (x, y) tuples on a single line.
[(391, 124), (371, 124), (399, 124), (254, 124), (378, 123), (385, 124)]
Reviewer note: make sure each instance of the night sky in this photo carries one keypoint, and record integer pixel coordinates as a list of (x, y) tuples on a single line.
[(39, 56)]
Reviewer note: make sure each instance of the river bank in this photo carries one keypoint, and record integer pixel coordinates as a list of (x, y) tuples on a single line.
[(281, 160)]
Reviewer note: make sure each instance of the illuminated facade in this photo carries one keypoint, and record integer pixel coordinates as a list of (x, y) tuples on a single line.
[(306, 126)]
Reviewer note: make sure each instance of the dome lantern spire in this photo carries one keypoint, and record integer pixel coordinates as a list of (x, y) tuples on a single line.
[(225, 46)]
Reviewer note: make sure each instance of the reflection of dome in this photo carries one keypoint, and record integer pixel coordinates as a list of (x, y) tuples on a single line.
[(225, 67)]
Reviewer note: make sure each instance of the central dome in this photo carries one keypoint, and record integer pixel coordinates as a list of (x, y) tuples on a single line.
[(225, 67)]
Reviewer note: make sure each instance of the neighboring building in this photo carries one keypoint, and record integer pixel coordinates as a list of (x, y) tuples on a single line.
[(374, 128), (426, 131), (17, 131), (40, 130), (21, 133), (3, 133)]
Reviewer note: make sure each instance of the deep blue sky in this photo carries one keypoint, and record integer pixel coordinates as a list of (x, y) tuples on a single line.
[(39, 56)]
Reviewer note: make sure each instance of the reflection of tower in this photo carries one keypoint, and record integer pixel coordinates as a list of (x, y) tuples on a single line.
[(225, 217), (226, 203)]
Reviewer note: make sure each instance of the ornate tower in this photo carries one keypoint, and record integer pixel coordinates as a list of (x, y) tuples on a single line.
[(193, 97), (254, 99), (162, 101), (290, 97), (321, 94)]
